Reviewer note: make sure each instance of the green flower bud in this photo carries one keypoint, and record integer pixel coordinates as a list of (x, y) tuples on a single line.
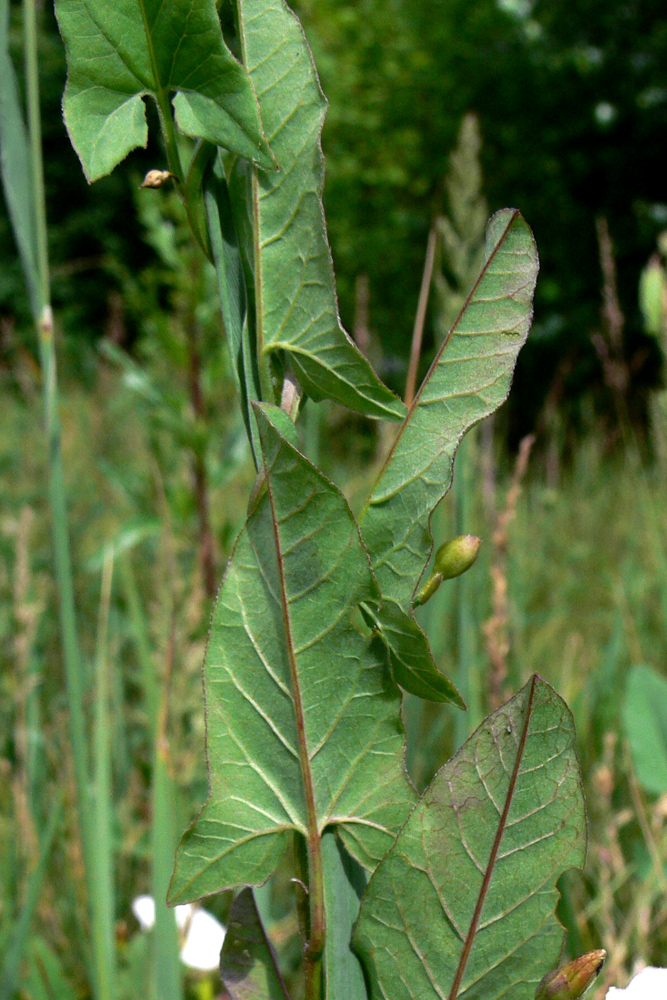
[(572, 981), (451, 559), (455, 557)]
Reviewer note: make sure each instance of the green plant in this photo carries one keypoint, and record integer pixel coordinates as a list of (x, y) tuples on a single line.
[(313, 633)]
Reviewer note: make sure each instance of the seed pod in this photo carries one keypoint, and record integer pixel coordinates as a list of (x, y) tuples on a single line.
[(451, 559), (572, 981)]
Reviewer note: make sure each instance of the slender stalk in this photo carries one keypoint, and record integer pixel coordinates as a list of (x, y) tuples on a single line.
[(60, 533), (164, 108), (418, 331), (102, 902), (35, 139), (166, 983)]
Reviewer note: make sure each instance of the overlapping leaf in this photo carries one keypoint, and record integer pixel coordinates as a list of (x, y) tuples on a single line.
[(248, 965), (470, 377), (463, 904), (285, 233), (122, 50), (303, 720)]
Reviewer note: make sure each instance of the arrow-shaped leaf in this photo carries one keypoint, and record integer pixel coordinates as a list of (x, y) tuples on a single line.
[(122, 50), (463, 904), (303, 720), (285, 233), (469, 378)]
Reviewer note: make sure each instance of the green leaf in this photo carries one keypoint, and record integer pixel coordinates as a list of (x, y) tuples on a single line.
[(284, 231), (463, 904), (15, 165), (232, 294), (119, 52), (46, 977), (410, 654), (645, 716), (344, 884), (469, 378), (303, 719), (248, 965)]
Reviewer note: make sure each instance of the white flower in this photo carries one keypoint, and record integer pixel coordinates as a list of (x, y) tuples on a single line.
[(203, 942), (203, 933), (649, 984)]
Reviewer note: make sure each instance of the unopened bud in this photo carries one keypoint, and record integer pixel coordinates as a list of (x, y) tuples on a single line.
[(455, 557), (572, 981), (451, 559), (156, 178)]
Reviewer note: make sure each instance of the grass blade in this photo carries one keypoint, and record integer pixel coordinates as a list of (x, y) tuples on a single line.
[(9, 980)]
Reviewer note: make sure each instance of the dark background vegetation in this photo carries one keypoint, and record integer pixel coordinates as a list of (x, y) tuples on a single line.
[(572, 102)]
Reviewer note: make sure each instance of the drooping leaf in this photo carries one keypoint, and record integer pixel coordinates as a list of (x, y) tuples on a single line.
[(119, 52), (344, 884), (469, 378), (247, 963), (303, 719), (295, 302), (463, 904), (15, 165), (410, 654), (645, 715)]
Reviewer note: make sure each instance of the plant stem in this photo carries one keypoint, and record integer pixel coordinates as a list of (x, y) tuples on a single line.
[(35, 138), (60, 533), (102, 902), (418, 331)]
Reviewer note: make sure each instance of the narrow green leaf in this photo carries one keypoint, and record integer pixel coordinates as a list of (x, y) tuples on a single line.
[(469, 378), (232, 294), (166, 967), (463, 904), (46, 978), (303, 719), (248, 965), (410, 654), (9, 980), (119, 52), (285, 232), (645, 716), (344, 884), (15, 165)]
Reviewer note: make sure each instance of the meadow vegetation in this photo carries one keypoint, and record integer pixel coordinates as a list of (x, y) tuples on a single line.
[(571, 584)]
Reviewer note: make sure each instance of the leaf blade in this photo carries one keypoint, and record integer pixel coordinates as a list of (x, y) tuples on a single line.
[(119, 52), (463, 904), (248, 965), (645, 718), (469, 378), (296, 574), (295, 298)]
